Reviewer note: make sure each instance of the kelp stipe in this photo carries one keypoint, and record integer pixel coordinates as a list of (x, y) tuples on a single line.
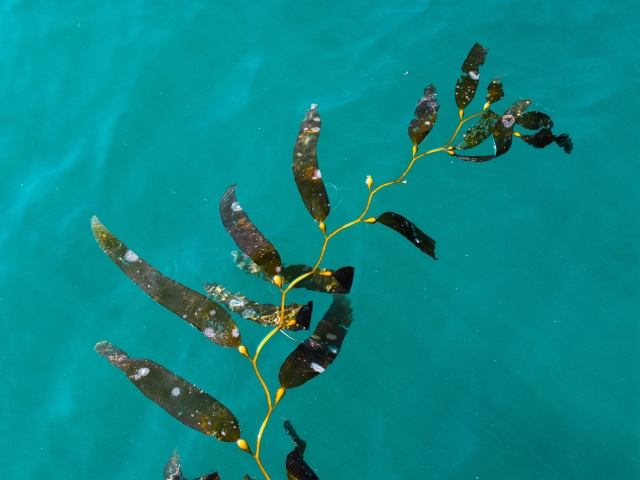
[(211, 314)]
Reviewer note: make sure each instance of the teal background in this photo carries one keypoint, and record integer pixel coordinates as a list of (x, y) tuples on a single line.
[(515, 355)]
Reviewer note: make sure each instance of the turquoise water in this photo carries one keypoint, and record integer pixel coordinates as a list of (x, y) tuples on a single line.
[(514, 356)]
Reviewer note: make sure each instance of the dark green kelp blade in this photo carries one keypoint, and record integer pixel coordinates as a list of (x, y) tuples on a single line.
[(316, 353), (305, 166), (467, 84), (297, 468), (263, 313), (426, 115), (478, 133), (173, 470), (181, 399), (495, 91), (534, 120), (545, 137), (409, 231), (340, 280), (207, 316), (246, 235)]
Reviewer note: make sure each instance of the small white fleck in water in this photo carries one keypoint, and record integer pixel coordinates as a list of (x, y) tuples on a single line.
[(316, 367), (236, 302), (175, 392), (299, 154), (315, 129), (130, 257), (184, 316), (248, 313), (235, 333), (143, 372), (235, 206), (212, 312), (331, 336), (333, 350), (317, 119), (208, 332), (314, 106), (317, 175), (474, 75)]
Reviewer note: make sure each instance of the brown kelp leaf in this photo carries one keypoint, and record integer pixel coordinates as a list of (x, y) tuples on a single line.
[(173, 470), (478, 133), (246, 235), (494, 91), (534, 120), (426, 115), (467, 84), (409, 231), (297, 468), (305, 166), (181, 399), (265, 313), (316, 353), (204, 314), (545, 137), (340, 280)]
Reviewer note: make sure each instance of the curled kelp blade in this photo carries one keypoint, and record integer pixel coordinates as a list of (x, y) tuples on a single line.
[(478, 133), (502, 132), (316, 353), (467, 84), (545, 137), (201, 312), (426, 114), (246, 235), (534, 120), (305, 166), (297, 468), (339, 281), (173, 470), (495, 91), (262, 313), (181, 399), (409, 231)]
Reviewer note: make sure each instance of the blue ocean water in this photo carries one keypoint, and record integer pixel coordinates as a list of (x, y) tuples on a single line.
[(515, 355)]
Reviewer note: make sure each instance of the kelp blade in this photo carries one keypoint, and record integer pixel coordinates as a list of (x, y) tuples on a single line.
[(534, 120), (426, 114), (297, 468), (201, 312), (316, 353), (478, 133), (173, 470), (495, 91), (340, 280), (181, 399), (305, 166), (246, 235), (262, 313), (409, 231), (467, 84), (545, 137)]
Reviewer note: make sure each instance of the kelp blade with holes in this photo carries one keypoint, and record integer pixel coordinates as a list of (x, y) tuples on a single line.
[(316, 353), (467, 84), (262, 313), (409, 231), (534, 120), (173, 470), (246, 235), (495, 91), (545, 137), (305, 166), (478, 133), (181, 399), (502, 132), (297, 468), (426, 114), (340, 280), (201, 312)]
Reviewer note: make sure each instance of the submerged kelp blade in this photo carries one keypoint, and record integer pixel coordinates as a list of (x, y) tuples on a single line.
[(297, 468), (181, 399), (201, 312), (534, 120), (495, 91), (305, 166), (426, 115), (316, 353), (545, 137), (478, 133), (246, 235), (409, 231), (340, 280), (173, 470), (467, 84), (262, 313)]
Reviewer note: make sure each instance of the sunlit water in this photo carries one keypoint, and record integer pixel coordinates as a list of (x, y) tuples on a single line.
[(515, 355)]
